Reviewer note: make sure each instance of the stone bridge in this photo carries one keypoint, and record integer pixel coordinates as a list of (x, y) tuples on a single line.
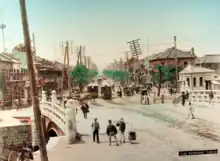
[(56, 119)]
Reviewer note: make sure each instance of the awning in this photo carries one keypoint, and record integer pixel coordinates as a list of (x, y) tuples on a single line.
[(215, 82)]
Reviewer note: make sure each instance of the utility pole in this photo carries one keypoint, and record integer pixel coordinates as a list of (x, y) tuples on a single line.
[(115, 68), (35, 98), (176, 62), (147, 63), (66, 67), (136, 51), (127, 66), (63, 70)]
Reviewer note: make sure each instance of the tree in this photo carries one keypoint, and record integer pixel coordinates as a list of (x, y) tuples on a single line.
[(162, 74), (80, 76), (93, 73), (116, 75)]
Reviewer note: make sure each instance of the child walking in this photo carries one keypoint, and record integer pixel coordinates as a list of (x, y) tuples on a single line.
[(191, 111)]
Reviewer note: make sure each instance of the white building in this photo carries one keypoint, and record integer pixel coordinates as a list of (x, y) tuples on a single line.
[(197, 78)]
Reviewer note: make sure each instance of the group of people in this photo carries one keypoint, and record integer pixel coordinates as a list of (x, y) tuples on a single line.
[(111, 131)]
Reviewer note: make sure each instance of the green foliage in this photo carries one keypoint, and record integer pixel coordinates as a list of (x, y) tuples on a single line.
[(168, 73), (93, 73), (80, 74), (116, 75)]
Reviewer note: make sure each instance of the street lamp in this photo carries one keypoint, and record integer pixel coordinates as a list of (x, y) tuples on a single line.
[(3, 26)]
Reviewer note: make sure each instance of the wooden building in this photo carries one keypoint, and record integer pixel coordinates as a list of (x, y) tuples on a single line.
[(13, 91)]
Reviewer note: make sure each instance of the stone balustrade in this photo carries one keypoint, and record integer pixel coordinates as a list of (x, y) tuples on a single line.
[(55, 112), (202, 96)]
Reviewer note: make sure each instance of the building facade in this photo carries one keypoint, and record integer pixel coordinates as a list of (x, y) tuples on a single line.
[(196, 78), (210, 61), (169, 56)]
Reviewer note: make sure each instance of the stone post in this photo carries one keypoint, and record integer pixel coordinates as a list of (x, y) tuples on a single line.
[(70, 129), (53, 97), (44, 97)]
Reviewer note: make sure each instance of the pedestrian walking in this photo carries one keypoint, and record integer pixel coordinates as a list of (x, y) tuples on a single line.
[(174, 99), (95, 128), (211, 96), (85, 109), (111, 131), (162, 99), (183, 97), (191, 111), (154, 98), (122, 127)]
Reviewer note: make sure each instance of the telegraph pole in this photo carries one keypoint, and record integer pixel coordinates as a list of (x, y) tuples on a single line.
[(32, 76), (63, 70), (127, 67), (67, 67), (136, 51), (176, 62)]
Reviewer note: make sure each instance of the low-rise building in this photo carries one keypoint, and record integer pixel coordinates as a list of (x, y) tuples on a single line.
[(210, 61), (7, 61), (169, 57), (196, 78)]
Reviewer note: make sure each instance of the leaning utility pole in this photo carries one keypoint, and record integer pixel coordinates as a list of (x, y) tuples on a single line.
[(31, 73), (135, 48), (135, 51), (176, 62)]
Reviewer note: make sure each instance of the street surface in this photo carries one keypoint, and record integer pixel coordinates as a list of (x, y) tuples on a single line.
[(162, 131)]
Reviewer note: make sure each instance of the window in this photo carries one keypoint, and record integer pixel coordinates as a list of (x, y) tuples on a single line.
[(185, 63), (188, 81), (194, 82), (201, 81)]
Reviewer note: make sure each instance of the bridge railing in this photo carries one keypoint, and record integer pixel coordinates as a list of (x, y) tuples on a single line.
[(54, 113), (202, 96), (61, 116)]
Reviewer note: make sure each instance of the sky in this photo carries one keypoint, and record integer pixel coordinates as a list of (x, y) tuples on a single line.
[(105, 26)]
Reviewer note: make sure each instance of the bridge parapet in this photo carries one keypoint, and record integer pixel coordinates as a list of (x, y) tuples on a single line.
[(56, 113), (202, 96)]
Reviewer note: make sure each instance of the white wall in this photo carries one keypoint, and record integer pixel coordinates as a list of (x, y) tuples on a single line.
[(205, 76)]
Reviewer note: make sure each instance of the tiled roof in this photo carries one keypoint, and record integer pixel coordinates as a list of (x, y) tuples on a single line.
[(171, 53), (10, 56), (210, 58), (195, 69)]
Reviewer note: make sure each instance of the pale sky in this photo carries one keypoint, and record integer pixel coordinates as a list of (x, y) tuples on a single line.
[(104, 26)]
